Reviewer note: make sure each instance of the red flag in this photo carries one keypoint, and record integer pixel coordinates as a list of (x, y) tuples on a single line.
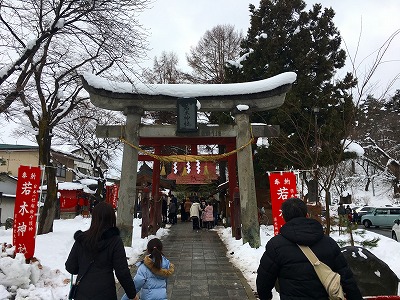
[(114, 196), (282, 187), (25, 210)]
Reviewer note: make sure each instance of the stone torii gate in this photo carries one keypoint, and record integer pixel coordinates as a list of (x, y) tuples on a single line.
[(241, 99)]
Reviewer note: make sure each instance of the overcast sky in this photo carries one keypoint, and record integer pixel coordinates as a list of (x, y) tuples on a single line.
[(176, 25)]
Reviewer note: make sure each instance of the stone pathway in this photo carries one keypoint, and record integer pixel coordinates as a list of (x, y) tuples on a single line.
[(202, 270)]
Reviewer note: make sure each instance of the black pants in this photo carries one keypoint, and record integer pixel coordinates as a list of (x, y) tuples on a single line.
[(172, 218), (195, 221)]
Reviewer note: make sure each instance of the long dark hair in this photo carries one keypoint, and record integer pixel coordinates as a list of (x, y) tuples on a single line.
[(154, 248), (103, 218)]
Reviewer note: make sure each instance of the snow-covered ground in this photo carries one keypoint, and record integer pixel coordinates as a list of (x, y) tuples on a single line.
[(51, 281)]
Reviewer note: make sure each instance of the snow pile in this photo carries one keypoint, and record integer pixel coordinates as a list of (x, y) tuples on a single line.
[(30, 281), (46, 278)]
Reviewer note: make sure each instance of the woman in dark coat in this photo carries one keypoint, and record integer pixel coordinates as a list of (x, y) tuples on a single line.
[(283, 259), (101, 244)]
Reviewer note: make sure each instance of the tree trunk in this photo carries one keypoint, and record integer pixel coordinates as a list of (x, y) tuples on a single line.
[(48, 212), (327, 214), (101, 189), (367, 184)]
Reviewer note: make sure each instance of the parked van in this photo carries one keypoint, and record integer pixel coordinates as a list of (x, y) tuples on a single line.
[(381, 216)]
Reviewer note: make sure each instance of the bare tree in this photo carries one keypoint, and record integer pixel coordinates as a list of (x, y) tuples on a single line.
[(366, 85), (215, 48), (79, 130), (99, 36), (165, 70)]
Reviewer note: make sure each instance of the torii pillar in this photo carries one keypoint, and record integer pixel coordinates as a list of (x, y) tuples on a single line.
[(127, 190), (259, 95), (247, 187)]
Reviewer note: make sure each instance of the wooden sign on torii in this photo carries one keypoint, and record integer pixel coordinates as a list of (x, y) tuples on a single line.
[(241, 99)]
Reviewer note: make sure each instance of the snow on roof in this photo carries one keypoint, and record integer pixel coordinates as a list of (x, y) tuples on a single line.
[(9, 196), (191, 90), (88, 181), (67, 150), (70, 186)]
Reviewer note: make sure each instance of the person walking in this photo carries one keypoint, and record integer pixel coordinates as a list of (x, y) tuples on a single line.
[(187, 206), (203, 205), (182, 209), (173, 208), (349, 213), (96, 254), (284, 260), (342, 216), (152, 273), (209, 216), (215, 205), (164, 209), (195, 211)]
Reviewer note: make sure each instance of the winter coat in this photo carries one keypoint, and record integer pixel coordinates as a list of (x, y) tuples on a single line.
[(341, 210), (195, 210), (283, 260), (99, 282), (187, 206), (151, 282), (164, 208), (172, 208), (208, 214)]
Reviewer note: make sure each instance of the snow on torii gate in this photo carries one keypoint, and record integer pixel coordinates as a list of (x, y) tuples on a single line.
[(133, 100)]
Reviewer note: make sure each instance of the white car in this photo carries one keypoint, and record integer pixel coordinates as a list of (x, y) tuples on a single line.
[(396, 230)]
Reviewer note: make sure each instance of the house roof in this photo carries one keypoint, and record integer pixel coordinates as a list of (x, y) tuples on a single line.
[(10, 147), (17, 147), (145, 173)]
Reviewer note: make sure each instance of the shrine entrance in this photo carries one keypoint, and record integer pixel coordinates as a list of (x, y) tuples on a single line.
[(188, 169), (240, 99)]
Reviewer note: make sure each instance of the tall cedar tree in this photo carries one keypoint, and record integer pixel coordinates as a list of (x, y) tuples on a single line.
[(284, 37)]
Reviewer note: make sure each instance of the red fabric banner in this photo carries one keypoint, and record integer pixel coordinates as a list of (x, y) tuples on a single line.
[(114, 196), (69, 199), (25, 210), (282, 187)]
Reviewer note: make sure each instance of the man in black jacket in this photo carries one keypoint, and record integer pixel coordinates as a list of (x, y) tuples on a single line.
[(283, 259)]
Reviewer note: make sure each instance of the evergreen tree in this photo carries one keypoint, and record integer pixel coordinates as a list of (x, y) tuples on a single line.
[(283, 37)]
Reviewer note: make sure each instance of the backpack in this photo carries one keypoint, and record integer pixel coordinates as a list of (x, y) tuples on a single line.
[(329, 279)]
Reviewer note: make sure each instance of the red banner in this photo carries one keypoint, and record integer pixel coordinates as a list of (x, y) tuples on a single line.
[(25, 210), (114, 196), (282, 186)]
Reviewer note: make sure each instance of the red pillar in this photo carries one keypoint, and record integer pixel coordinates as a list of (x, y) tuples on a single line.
[(145, 212), (193, 149), (238, 221)]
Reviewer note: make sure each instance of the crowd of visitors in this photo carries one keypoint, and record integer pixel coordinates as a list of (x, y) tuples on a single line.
[(346, 214), (203, 213)]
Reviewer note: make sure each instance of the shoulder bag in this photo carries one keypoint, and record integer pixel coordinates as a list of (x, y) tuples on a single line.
[(74, 287), (329, 279)]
